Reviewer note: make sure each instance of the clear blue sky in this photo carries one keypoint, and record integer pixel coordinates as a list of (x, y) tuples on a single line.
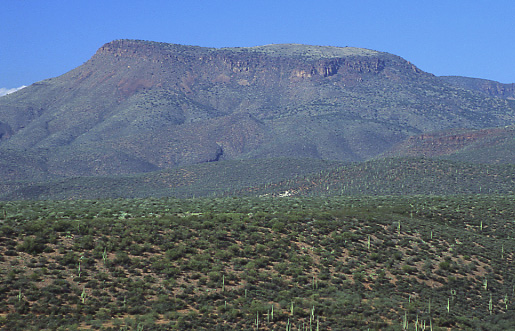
[(45, 38)]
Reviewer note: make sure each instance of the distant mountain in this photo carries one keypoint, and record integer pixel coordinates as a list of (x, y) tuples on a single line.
[(489, 87), (139, 106), (5, 91), (494, 145)]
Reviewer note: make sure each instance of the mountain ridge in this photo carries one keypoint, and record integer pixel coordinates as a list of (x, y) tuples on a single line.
[(489, 87), (140, 106)]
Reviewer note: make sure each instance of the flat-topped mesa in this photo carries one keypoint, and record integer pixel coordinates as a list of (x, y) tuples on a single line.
[(306, 51), (322, 61), (139, 106), (294, 60), (141, 48), (311, 52)]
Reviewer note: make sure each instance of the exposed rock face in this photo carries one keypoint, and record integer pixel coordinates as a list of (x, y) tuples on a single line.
[(140, 106)]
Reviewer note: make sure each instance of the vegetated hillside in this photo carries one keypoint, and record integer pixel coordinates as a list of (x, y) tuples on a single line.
[(414, 263), (139, 106), (398, 176), (207, 179), (493, 145), (489, 87)]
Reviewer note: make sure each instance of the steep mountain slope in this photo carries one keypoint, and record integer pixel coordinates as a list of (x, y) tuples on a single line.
[(139, 106)]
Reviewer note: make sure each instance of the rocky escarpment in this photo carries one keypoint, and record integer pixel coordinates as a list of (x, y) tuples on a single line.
[(189, 68)]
